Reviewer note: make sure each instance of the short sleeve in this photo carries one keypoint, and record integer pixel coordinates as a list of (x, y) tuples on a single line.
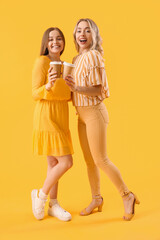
[(97, 73)]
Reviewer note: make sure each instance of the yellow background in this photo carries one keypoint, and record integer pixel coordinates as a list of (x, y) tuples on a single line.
[(131, 42)]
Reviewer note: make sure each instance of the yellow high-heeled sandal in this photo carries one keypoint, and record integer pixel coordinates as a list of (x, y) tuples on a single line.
[(85, 213), (129, 216)]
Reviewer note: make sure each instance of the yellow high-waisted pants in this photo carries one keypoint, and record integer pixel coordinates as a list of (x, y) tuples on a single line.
[(92, 129)]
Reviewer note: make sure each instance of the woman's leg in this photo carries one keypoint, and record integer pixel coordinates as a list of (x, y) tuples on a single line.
[(64, 163), (92, 169), (55, 171), (55, 209), (52, 162), (97, 137)]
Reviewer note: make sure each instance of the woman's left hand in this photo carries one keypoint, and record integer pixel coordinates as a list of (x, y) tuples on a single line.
[(71, 83)]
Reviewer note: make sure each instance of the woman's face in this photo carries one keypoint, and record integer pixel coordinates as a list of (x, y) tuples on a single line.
[(55, 43), (83, 36)]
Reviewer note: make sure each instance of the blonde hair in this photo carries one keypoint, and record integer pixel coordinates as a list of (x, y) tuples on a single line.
[(44, 43), (96, 38)]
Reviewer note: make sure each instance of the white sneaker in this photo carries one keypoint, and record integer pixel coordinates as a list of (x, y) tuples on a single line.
[(38, 205), (57, 211)]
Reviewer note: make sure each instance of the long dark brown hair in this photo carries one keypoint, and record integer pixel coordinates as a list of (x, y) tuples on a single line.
[(44, 44)]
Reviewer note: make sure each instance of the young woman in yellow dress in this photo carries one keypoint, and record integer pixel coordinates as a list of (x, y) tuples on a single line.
[(90, 88), (51, 135)]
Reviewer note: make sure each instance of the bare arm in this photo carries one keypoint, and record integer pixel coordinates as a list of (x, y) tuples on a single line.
[(89, 91)]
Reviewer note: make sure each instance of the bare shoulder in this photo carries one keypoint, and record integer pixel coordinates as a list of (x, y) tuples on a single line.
[(74, 59)]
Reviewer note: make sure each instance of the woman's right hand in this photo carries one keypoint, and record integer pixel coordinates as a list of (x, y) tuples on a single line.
[(52, 76), (71, 83)]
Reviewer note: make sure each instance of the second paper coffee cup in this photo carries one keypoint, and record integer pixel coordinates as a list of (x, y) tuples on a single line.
[(68, 69)]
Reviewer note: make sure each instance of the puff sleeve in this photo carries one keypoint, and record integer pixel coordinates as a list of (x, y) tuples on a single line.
[(97, 73)]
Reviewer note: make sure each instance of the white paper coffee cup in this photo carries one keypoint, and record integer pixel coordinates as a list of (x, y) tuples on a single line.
[(68, 69), (57, 66)]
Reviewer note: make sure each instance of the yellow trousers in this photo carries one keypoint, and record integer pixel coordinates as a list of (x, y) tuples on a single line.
[(92, 129)]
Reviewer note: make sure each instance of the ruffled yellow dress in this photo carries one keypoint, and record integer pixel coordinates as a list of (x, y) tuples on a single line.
[(51, 135)]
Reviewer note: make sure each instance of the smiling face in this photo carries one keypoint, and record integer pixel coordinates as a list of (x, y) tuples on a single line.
[(55, 43), (83, 36)]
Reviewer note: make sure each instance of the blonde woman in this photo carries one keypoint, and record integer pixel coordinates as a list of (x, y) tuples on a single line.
[(90, 88), (51, 135)]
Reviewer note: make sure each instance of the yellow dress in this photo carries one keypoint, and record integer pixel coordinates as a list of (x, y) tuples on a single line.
[(51, 135)]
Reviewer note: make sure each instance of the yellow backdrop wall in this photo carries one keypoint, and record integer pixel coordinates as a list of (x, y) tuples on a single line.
[(131, 36)]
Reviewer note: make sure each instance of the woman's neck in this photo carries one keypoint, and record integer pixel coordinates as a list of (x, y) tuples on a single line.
[(81, 51), (54, 57)]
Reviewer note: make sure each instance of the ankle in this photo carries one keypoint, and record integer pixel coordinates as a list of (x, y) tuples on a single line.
[(52, 201), (42, 195), (96, 197), (126, 194), (128, 198)]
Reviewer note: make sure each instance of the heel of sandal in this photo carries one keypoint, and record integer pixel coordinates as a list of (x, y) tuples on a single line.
[(129, 216), (100, 207), (137, 200)]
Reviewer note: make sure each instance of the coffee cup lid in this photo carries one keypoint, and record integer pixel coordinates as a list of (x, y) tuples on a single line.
[(68, 64), (56, 62)]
